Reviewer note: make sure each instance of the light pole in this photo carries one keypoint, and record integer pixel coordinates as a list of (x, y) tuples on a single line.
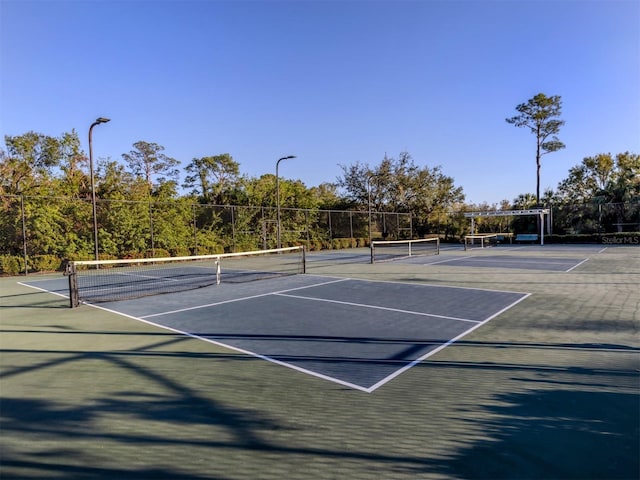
[(98, 121), (278, 245)]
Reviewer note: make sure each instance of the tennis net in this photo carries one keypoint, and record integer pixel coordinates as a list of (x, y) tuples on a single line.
[(387, 250), (481, 240), (98, 281)]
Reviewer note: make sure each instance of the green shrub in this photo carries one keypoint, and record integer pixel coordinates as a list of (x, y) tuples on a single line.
[(45, 263), (158, 253), (133, 254), (107, 256), (314, 245), (11, 264), (246, 245), (210, 249), (342, 243), (303, 243), (180, 252)]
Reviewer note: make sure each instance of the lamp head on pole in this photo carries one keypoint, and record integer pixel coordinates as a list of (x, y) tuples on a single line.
[(278, 163), (102, 120)]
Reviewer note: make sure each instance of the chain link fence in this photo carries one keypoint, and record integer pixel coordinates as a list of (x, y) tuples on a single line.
[(38, 233), (595, 218)]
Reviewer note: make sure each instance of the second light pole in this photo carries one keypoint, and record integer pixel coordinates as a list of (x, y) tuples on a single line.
[(93, 188), (278, 244)]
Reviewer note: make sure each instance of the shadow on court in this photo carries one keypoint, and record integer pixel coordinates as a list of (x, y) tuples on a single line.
[(558, 421), (585, 432)]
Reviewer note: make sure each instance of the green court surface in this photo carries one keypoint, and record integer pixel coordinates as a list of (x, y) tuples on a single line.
[(549, 388)]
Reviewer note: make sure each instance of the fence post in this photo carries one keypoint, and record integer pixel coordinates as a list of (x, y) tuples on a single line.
[(306, 226), (398, 228), (233, 228), (24, 234), (264, 229), (151, 228), (385, 233), (351, 224), (195, 230)]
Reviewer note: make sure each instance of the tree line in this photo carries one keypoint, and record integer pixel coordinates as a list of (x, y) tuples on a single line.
[(140, 197), (35, 165)]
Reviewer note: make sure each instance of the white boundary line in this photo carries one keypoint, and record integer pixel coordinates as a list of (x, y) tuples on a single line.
[(453, 259), (525, 262), (42, 289), (577, 265)]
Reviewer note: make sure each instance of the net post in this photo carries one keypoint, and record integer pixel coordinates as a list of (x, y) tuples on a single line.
[(372, 254), (218, 271), (70, 272), (304, 259)]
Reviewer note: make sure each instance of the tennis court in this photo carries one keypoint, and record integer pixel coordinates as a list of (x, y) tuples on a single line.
[(522, 262), (546, 258), (346, 371), (358, 333)]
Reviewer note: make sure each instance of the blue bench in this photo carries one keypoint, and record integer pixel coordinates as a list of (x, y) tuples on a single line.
[(527, 237)]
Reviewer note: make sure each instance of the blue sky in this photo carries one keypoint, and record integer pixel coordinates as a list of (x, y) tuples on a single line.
[(332, 82)]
